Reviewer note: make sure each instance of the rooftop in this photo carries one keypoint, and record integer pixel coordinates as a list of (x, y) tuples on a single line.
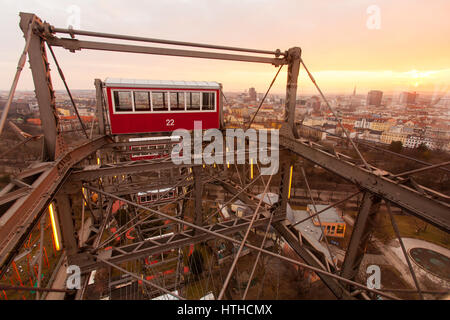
[(269, 198), (328, 216), (309, 231)]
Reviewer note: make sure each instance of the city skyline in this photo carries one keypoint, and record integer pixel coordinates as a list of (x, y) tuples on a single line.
[(343, 45)]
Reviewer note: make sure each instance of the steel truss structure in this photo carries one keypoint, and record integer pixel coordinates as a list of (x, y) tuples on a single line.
[(98, 168)]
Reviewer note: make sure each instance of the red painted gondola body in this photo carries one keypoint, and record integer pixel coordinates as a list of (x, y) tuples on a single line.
[(162, 106)]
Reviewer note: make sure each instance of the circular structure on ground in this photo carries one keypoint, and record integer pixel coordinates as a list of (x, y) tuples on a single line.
[(431, 261)]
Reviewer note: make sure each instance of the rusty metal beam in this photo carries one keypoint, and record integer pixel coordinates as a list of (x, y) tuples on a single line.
[(422, 206), (294, 58), (74, 44), (21, 217), (66, 220), (119, 169), (406, 173), (45, 94), (145, 248), (99, 103), (14, 195), (158, 184), (362, 230), (212, 231), (284, 185), (311, 260), (198, 192), (241, 246)]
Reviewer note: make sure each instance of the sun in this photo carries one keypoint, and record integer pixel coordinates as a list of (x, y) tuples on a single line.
[(418, 77)]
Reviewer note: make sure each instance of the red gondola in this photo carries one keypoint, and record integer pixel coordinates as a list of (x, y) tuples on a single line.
[(157, 147), (141, 106), (156, 195)]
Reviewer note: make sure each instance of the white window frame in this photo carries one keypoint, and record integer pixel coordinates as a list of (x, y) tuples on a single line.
[(185, 103), (168, 100), (200, 100), (215, 101), (114, 102), (150, 98)]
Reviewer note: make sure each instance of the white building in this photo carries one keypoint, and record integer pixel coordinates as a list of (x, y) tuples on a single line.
[(414, 141), (362, 123)]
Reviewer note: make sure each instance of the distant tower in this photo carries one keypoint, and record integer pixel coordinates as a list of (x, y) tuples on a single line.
[(374, 98), (252, 94), (314, 103), (353, 98), (408, 97)]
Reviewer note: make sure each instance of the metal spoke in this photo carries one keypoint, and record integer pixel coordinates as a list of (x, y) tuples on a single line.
[(397, 233), (332, 275), (318, 218), (233, 265)]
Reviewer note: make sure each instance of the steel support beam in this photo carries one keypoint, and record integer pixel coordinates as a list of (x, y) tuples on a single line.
[(137, 143), (39, 289), (293, 57), (406, 173), (306, 255), (13, 195), (119, 169), (198, 192), (241, 246), (131, 274), (65, 216), (327, 207), (21, 217), (405, 253), (74, 44), (311, 260), (362, 230), (146, 247), (215, 234), (99, 103), (45, 94), (238, 193), (284, 185), (41, 257), (422, 206), (121, 190)]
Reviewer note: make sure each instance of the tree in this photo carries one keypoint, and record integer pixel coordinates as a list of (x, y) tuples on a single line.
[(422, 148), (423, 151), (396, 146)]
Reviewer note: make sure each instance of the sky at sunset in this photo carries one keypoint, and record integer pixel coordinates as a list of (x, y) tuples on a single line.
[(391, 45)]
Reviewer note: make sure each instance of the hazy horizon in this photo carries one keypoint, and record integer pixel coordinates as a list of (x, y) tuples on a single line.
[(385, 93)]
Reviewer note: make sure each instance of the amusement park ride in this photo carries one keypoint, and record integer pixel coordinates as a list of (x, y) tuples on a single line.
[(142, 216)]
